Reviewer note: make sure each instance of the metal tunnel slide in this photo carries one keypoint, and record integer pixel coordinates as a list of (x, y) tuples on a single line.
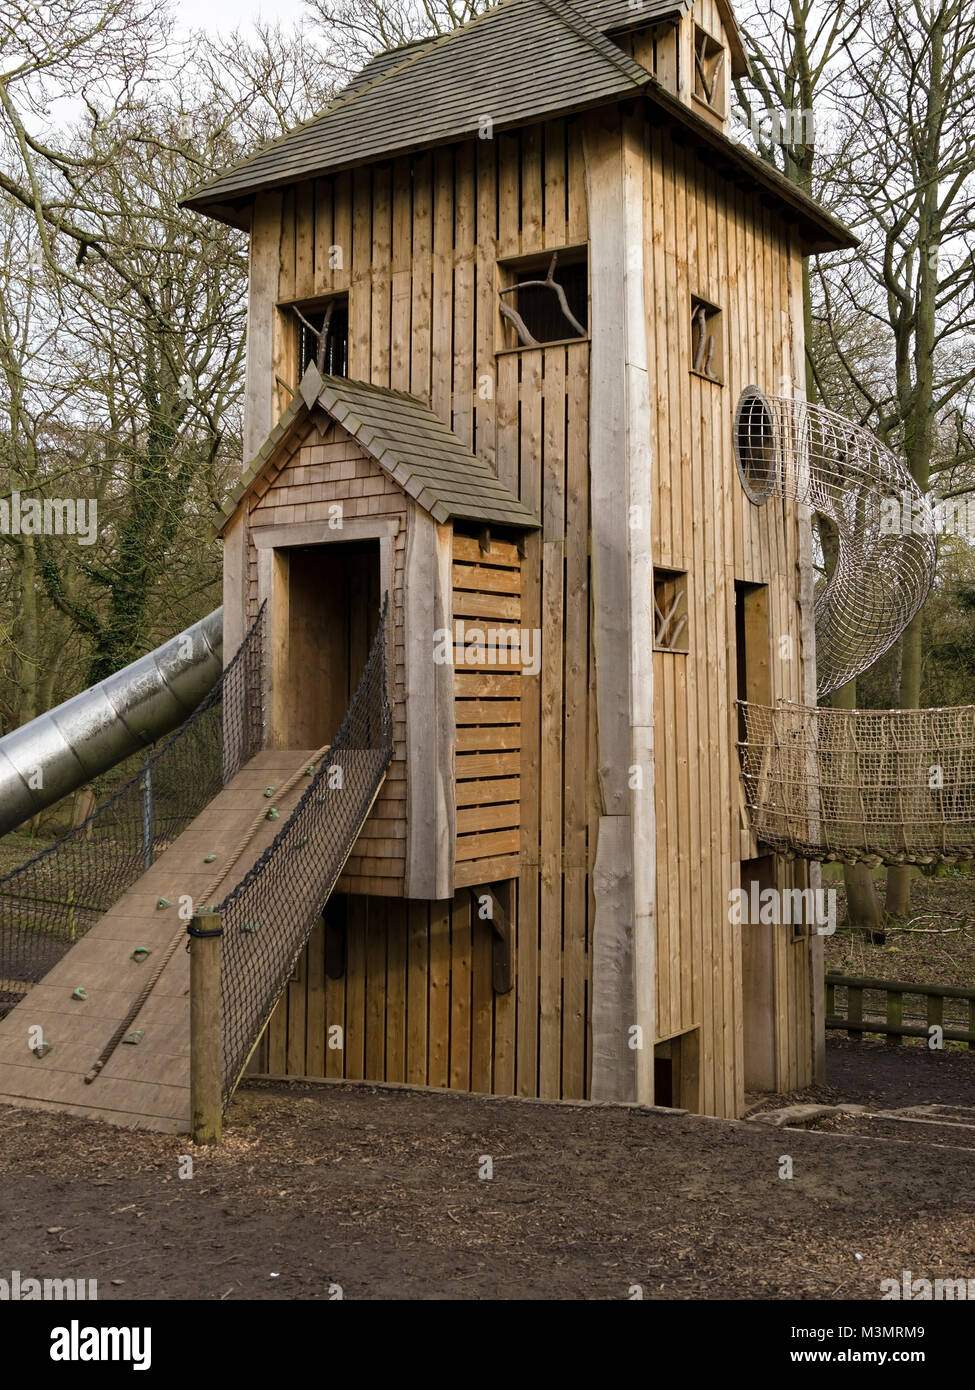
[(60, 751), (105, 1032)]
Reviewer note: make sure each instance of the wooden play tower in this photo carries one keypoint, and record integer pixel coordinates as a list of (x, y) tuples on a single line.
[(504, 296)]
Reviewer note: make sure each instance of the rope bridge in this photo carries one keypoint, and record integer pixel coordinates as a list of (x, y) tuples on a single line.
[(861, 786)]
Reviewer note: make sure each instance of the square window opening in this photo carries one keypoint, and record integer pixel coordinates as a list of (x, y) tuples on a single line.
[(329, 318), (545, 299)]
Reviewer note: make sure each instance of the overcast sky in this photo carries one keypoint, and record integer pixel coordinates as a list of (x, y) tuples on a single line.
[(225, 15)]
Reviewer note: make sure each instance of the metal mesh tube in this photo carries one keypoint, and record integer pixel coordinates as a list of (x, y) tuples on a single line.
[(884, 527)]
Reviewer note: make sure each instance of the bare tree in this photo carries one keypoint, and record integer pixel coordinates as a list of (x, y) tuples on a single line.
[(908, 186)]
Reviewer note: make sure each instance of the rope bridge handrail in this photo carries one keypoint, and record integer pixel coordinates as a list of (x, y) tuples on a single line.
[(54, 898), (269, 916), (861, 786)]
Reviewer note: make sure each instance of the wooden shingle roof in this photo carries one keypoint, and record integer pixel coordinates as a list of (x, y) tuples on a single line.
[(523, 61), (404, 437)]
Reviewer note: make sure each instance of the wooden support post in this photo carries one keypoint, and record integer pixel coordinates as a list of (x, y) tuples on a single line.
[(895, 1016), (206, 1028)]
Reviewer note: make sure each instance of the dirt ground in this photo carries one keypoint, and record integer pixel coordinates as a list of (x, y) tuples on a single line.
[(935, 945), (378, 1191)]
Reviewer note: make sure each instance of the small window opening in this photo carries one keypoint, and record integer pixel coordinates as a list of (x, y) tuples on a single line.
[(547, 301), (709, 64), (670, 610), (323, 336), (706, 353)]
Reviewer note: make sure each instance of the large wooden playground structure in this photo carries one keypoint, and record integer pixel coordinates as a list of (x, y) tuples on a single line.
[(521, 627)]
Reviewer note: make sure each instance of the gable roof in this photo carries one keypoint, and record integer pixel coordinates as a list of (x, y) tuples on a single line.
[(404, 437)]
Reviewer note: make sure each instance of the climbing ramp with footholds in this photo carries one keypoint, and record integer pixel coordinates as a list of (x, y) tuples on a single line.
[(105, 1032)]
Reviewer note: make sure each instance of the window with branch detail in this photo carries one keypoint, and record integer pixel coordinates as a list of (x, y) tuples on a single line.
[(670, 610), (709, 64), (546, 300), (706, 355), (323, 336)]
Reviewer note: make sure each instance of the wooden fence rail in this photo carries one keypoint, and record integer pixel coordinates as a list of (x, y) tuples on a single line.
[(892, 1026)]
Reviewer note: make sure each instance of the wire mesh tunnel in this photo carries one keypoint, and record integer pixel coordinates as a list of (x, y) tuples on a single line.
[(880, 523), (871, 786)]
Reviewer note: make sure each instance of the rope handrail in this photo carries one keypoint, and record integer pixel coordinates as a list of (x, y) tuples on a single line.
[(269, 915)]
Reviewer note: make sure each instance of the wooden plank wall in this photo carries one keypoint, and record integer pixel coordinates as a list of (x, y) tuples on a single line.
[(710, 239), (418, 242), (487, 587), (327, 467)]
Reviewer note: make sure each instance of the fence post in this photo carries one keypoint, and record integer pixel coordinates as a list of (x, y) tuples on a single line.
[(206, 1031), (895, 1016)]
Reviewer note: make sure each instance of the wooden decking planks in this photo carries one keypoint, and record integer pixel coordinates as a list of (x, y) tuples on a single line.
[(146, 1085)]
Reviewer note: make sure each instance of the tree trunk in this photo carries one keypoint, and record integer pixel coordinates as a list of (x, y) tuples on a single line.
[(909, 696)]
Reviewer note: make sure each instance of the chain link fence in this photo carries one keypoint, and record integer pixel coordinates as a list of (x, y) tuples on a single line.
[(269, 916), (54, 898)]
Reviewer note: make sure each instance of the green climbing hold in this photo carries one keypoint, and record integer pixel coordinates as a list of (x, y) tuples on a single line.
[(268, 791), (140, 953), (163, 902), (134, 1038), (250, 926), (42, 1049), (273, 814), (79, 993), (209, 859)]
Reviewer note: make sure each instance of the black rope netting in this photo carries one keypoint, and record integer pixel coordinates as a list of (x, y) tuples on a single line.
[(57, 896), (269, 916)]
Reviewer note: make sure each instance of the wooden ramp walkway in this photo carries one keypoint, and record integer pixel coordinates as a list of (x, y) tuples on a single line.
[(144, 1085)]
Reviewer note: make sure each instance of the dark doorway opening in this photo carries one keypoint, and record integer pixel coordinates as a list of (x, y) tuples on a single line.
[(334, 598)]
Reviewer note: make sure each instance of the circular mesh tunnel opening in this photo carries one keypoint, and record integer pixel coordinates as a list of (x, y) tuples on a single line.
[(754, 444)]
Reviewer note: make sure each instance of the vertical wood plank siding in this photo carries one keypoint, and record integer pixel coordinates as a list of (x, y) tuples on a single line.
[(419, 242)]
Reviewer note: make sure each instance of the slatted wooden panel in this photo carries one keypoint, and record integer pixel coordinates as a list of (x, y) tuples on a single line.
[(487, 707), (707, 238), (326, 468), (418, 245)]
